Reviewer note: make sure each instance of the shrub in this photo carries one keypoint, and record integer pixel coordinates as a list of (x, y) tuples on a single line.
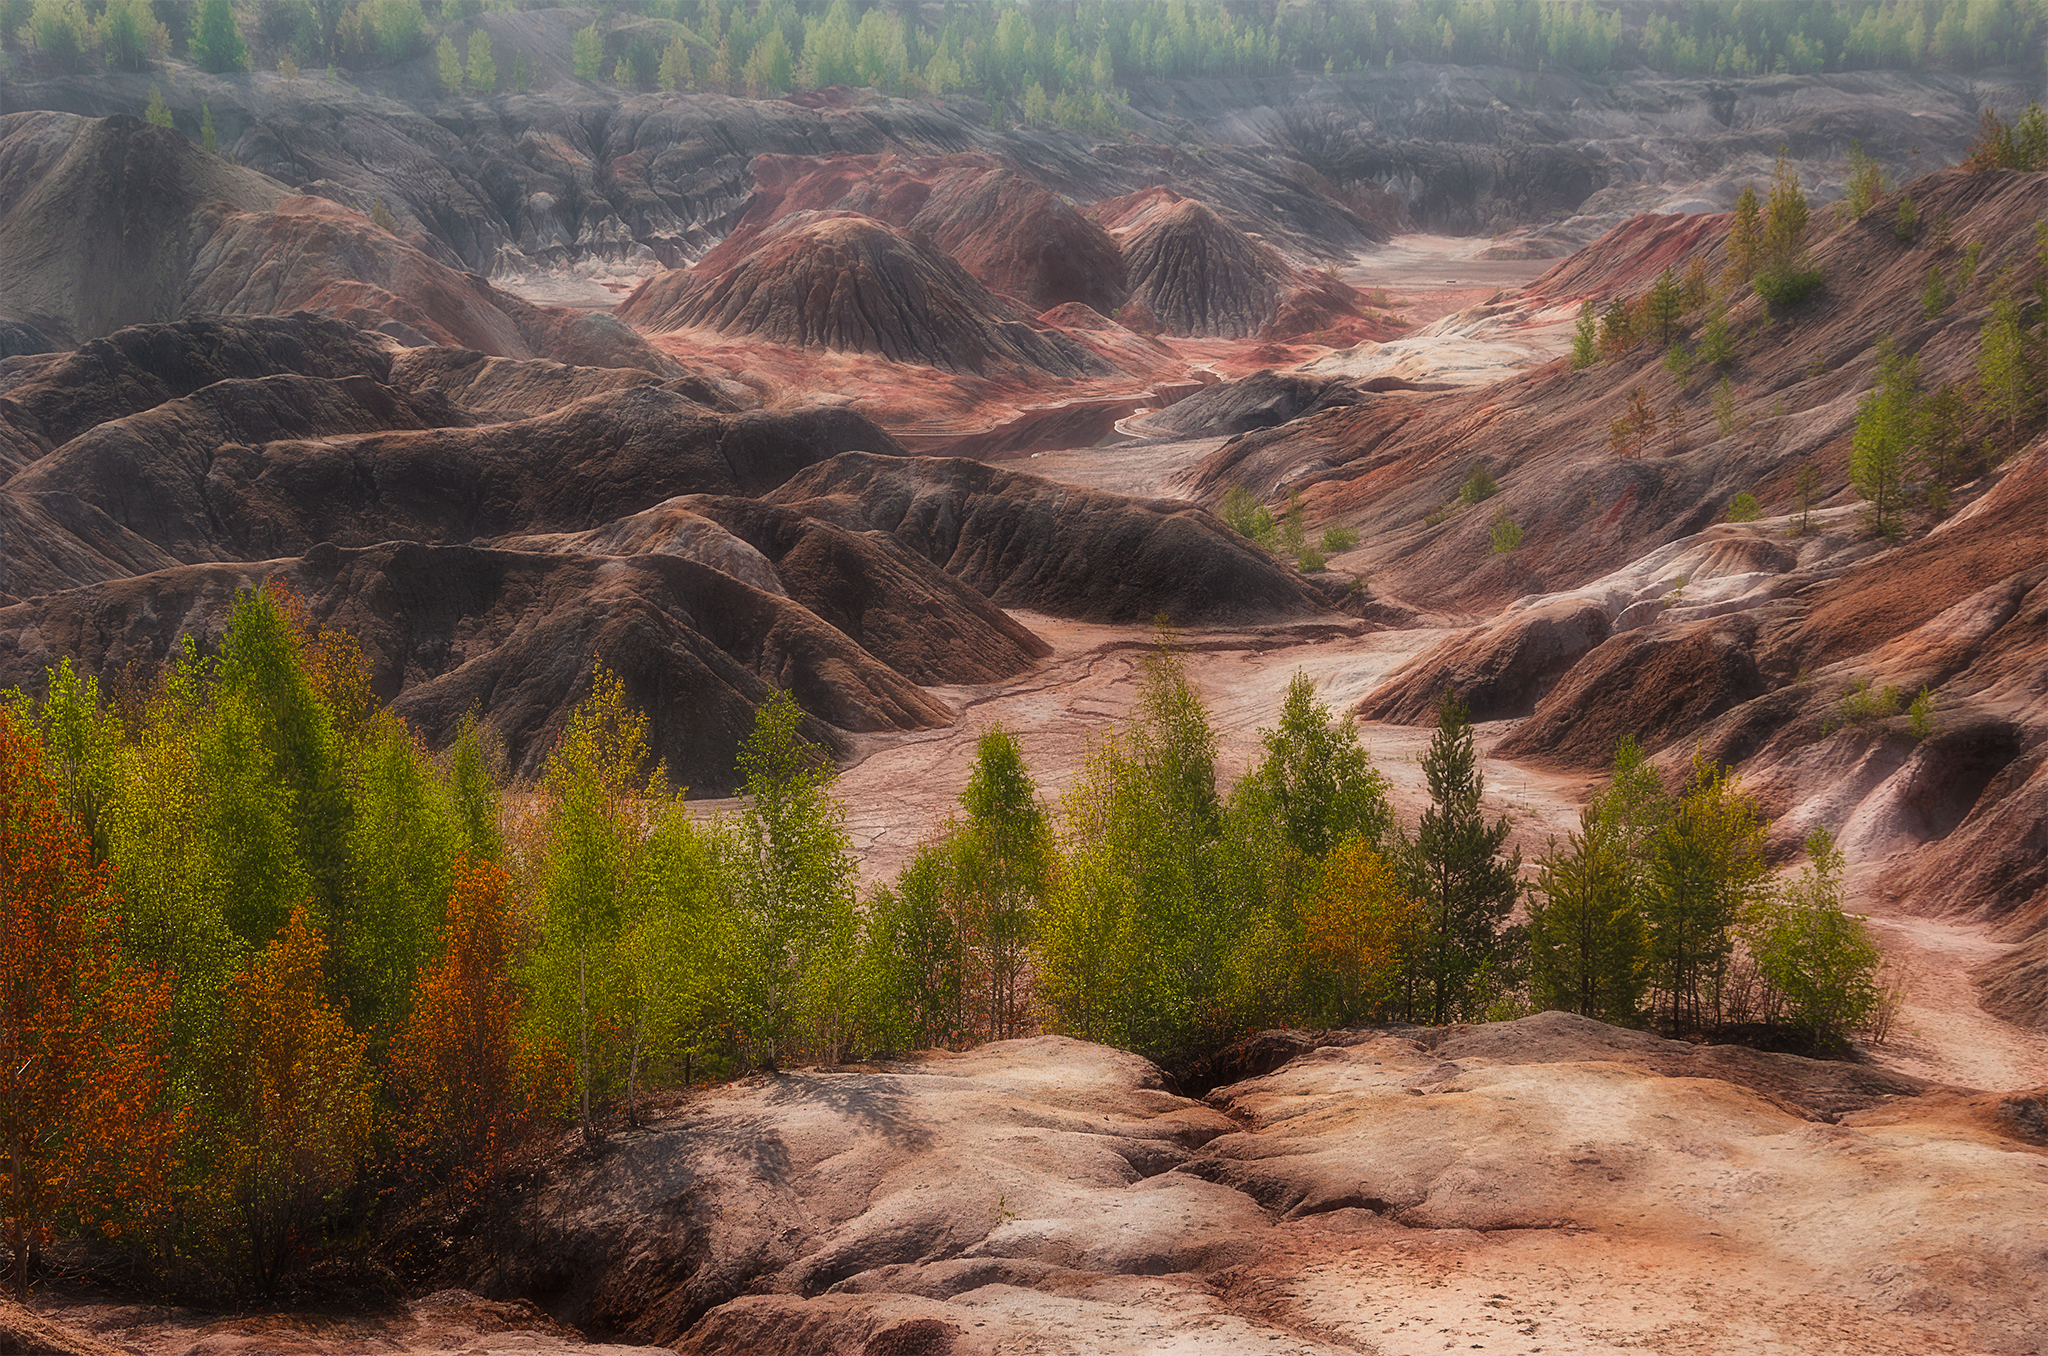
[(1586, 338), (1920, 715), (1478, 485), (1743, 508), (1505, 535), (1338, 537), (1906, 224), (1865, 705), (1787, 284), (1310, 560)]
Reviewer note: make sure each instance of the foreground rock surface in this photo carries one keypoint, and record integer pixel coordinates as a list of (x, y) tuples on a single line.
[(1549, 1182)]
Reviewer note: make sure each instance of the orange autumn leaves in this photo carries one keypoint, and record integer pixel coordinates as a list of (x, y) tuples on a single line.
[(1359, 935), (85, 1127)]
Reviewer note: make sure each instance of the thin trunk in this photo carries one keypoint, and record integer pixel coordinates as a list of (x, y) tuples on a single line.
[(583, 1031), (633, 1074)]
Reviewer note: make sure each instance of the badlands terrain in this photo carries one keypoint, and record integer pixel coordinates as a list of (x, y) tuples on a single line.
[(849, 395)]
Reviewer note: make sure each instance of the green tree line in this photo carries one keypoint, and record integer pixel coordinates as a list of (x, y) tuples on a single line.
[(273, 970), (1031, 57)]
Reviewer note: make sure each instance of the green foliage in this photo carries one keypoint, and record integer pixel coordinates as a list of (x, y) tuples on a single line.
[(1934, 296), (1585, 338), (1678, 361), (217, 44), (129, 34), (1920, 715), (1503, 535), (2021, 144), (1706, 868), (1337, 538), (448, 66), (1946, 455), (2009, 360), (1864, 705), (1141, 926), (1587, 941), (1323, 787), (675, 66), (1806, 491), (158, 114), (1453, 866), (1822, 959), (792, 894), (1479, 485), (1726, 420), (1906, 223), (1745, 236), (1864, 184), (61, 32), (597, 802), (1662, 308), (1743, 508), (586, 51), (1247, 517), (1294, 526), (381, 218), (1717, 345), (1006, 859), (1887, 431), (481, 73), (208, 139), (1787, 286)]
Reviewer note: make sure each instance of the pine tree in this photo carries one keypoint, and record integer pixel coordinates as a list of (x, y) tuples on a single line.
[(2007, 359), (482, 73), (1453, 866), (1745, 235), (217, 44), (1664, 308), (1586, 338), (1785, 215), (587, 53), (158, 114), (448, 66), (1887, 429), (208, 140), (675, 66)]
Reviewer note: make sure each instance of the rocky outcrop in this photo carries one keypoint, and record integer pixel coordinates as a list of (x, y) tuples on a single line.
[(1025, 542), (839, 280), (1264, 399), (1054, 1194)]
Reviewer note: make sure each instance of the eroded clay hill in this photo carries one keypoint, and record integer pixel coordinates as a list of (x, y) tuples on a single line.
[(840, 280), (108, 222), (1375, 1190), (1005, 228)]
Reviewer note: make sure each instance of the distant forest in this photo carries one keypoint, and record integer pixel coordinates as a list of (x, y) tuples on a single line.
[(1063, 59)]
